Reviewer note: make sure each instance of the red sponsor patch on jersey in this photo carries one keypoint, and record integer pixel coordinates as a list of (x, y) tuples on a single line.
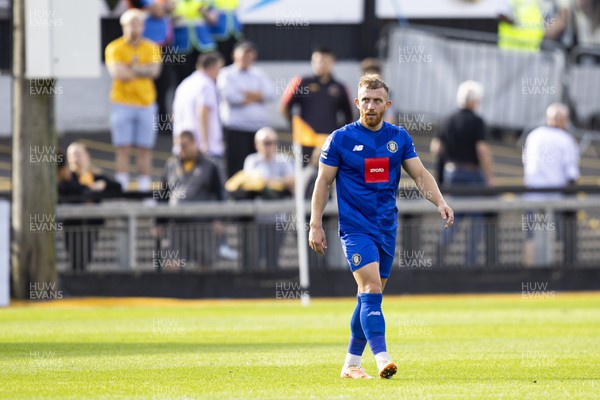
[(377, 169)]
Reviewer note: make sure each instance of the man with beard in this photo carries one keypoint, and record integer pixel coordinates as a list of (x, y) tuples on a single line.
[(365, 158)]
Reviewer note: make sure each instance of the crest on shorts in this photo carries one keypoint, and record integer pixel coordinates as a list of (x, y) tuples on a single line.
[(392, 146), (356, 259)]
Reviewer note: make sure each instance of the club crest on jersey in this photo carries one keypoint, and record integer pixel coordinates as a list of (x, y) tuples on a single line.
[(392, 146), (356, 259)]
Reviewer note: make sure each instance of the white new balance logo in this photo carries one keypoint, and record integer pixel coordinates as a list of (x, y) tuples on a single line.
[(374, 313), (358, 147)]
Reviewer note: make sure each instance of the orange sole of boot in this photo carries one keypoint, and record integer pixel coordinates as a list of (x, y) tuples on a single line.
[(388, 371)]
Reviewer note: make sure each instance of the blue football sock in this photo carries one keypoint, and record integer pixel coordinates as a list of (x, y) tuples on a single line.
[(358, 341), (372, 321)]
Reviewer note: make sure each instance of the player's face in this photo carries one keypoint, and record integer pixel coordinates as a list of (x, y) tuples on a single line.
[(372, 104)]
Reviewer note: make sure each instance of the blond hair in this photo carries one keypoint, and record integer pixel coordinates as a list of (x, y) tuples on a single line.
[(373, 82), (130, 15)]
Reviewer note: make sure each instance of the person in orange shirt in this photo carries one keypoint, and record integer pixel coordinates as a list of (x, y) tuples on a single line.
[(133, 63)]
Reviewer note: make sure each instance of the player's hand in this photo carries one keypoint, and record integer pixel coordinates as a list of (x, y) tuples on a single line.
[(447, 214), (316, 240)]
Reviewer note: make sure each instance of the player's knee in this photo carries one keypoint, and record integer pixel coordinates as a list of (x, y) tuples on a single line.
[(371, 287)]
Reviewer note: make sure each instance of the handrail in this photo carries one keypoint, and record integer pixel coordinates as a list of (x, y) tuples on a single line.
[(252, 208)]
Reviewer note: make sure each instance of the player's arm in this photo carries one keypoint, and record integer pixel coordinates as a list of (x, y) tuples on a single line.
[(316, 235), (428, 187)]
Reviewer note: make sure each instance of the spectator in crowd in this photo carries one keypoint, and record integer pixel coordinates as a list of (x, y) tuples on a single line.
[(265, 235), (372, 66), (557, 17), (78, 180), (196, 109), (245, 90), (192, 20), (69, 188), (587, 22), (159, 29), (461, 141), (83, 171), (323, 101), (190, 176), (133, 62), (521, 26), (226, 27), (550, 160)]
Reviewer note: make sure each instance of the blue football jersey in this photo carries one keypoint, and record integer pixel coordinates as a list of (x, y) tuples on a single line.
[(369, 166)]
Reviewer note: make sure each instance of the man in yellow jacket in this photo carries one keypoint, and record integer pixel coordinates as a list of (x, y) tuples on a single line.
[(521, 26)]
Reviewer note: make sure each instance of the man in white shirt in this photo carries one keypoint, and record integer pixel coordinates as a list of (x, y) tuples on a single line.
[(244, 90), (196, 108), (551, 154), (550, 160)]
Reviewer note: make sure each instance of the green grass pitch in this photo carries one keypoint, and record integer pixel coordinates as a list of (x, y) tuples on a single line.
[(446, 347)]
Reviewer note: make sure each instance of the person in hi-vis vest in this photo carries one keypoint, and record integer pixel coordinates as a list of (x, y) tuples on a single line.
[(191, 32), (521, 25), (227, 29)]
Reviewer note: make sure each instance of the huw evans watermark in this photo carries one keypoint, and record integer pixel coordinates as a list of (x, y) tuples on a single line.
[(44, 223), (415, 259), (537, 222), (167, 327), (536, 290), (47, 155), (537, 86), (414, 327), (289, 290), (42, 291), (164, 191), (168, 260), (413, 55)]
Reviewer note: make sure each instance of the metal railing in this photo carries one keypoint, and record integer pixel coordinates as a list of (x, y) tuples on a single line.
[(425, 65), (259, 236)]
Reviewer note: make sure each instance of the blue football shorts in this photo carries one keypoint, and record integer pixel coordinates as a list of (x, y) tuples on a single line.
[(362, 249)]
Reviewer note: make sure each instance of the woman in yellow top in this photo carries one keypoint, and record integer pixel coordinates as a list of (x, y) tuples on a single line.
[(133, 63)]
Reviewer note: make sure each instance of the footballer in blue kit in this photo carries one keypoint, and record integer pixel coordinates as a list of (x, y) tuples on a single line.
[(365, 159)]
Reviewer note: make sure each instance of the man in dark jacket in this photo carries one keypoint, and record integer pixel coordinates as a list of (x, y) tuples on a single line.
[(191, 177)]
